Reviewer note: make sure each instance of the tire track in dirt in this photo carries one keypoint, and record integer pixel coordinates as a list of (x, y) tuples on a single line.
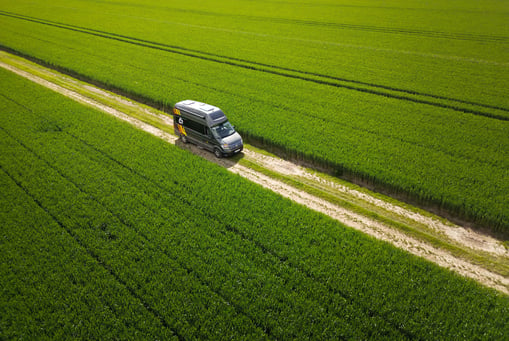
[(465, 237)]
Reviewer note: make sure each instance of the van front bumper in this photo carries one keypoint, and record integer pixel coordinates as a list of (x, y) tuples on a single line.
[(233, 151)]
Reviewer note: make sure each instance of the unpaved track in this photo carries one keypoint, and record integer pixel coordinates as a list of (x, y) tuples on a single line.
[(461, 236)]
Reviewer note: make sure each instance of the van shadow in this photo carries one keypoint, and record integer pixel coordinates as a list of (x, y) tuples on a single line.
[(226, 162)]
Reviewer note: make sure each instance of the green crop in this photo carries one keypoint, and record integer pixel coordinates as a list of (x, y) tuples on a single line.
[(109, 232), (409, 96)]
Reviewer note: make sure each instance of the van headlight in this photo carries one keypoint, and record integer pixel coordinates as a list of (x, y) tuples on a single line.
[(226, 146)]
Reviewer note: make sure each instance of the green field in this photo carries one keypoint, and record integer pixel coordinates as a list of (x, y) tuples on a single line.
[(110, 233), (409, 95)]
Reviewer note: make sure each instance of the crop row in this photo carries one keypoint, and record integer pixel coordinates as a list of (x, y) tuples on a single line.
[(207, 252)]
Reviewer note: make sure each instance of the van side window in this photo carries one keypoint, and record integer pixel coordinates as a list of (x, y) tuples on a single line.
[(199, 128)]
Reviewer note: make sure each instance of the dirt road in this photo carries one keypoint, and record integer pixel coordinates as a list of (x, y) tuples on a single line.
[(471, 242)]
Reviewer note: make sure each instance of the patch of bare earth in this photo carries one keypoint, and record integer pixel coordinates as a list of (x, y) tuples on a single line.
[(461, 236)]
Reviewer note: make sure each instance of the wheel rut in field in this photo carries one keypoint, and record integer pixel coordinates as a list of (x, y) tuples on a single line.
[(460, 105)]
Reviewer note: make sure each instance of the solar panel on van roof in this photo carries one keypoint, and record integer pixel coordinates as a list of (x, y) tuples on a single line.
[(206, 107)]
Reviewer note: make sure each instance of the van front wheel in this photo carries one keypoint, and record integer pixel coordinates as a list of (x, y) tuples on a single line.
[(217, 153)]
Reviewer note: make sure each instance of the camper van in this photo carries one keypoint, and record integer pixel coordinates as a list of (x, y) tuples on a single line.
[(206, 126)]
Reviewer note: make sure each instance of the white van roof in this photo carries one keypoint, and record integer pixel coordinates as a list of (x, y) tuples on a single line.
[(198, 106), (213, 115)]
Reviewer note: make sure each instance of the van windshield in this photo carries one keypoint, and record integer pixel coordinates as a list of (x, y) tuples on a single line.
[(223, 130)]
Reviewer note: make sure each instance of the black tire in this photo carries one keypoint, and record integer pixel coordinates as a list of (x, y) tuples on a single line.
[(183, 138), (218, 153)]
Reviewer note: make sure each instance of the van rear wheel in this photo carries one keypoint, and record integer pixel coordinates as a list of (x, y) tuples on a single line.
[(183, 138), (218, 153)]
